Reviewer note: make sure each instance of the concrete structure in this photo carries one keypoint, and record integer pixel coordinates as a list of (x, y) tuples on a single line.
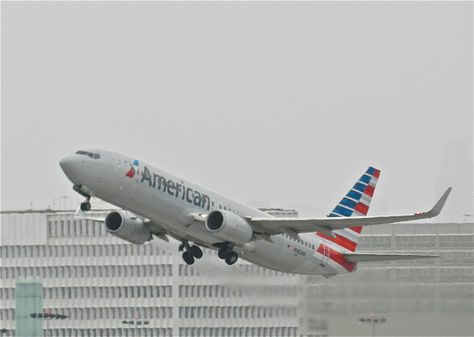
[(99, 281)]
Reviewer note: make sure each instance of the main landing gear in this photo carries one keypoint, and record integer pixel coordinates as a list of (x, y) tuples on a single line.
[(226, 253), (190, 252)]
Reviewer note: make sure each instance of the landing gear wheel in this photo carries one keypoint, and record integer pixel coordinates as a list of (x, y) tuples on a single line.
[(222, 252), (188, 258), (85, 206), (196, 251), (231, 258)]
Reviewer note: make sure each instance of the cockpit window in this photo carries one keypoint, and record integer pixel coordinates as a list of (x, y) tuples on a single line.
[(89, 154), (82, 152)]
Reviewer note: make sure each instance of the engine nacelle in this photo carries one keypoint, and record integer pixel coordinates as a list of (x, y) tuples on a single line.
[(127, 226), (228, 226)]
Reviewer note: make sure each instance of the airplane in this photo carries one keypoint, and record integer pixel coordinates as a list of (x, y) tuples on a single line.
[(155, 203)]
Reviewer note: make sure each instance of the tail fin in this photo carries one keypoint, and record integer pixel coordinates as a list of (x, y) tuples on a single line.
[(355, 203)]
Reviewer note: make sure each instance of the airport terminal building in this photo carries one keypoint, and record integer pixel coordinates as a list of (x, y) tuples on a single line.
[(108, 287)]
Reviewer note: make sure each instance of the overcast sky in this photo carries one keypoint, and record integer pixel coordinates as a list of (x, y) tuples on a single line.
[(276, 104)]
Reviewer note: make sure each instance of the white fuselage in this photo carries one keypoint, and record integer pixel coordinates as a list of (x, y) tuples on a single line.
[(171, 202)]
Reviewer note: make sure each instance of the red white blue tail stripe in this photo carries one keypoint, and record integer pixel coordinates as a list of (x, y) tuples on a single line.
[(355, 203)]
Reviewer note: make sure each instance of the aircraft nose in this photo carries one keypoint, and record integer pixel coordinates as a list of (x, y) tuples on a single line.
[(70, 167), (66, 163)]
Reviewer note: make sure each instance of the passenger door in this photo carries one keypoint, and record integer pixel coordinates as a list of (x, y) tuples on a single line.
[(119, 170)]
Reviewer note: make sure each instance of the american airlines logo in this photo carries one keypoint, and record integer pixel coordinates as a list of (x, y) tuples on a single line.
[(133, 169), (175, 189)]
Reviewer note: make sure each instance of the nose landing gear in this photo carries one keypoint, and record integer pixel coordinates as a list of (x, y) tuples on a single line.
[(86, 205), (85, 192)]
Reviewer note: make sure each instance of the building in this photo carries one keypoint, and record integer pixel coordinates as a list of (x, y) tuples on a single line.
[(423, 297), (99, 281)]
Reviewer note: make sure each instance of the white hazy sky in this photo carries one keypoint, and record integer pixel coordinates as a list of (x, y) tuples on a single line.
[(276, 104)]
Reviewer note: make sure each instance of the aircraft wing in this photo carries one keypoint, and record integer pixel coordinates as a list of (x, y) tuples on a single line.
[(156, 228), (272, 226), (91, 216)]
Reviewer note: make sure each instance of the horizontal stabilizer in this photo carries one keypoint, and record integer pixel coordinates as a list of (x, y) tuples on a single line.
[(361, 257)]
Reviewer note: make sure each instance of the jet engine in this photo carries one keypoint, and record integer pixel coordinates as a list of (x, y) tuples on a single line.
[(228, 226), (127, 226)]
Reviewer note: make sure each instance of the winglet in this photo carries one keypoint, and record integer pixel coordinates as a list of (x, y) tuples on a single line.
[(440, 204)]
